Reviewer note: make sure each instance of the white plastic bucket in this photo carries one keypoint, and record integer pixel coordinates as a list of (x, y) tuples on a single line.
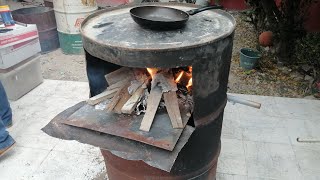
[(70, 13)]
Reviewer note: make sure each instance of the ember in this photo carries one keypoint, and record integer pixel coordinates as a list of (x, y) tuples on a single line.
[(152, 71)]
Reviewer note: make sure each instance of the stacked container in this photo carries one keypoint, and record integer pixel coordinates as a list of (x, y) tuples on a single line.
[(69, 16), (44, 18)]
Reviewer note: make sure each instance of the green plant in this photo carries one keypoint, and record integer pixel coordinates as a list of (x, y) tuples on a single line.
[(307, 51), (285, 21)]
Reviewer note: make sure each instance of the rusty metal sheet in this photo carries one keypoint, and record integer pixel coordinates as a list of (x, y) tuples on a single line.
[(121, 147), (161, 134)]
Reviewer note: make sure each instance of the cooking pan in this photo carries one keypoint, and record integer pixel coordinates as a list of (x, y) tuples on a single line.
[(164, 18)]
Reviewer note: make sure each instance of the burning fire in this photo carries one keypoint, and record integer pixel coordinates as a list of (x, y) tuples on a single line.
[(152, 71), (183, 76), (190, 80), (179, 77), (189, 83)]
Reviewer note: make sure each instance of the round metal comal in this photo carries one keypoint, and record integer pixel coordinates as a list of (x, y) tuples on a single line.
[(113, 36)]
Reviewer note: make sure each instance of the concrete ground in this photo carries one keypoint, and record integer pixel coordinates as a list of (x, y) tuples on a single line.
[(256, 144)]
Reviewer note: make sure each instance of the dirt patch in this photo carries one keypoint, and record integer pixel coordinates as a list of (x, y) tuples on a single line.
[(58, 66), (269, 81)]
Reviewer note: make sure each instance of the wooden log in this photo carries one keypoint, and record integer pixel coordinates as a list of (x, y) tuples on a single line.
[(131, 104), (119, 75), (116, 98), (124, 97), (135, 84), (118, 84), (140, 74), (165, 81), (172, 106), (152, 107), (102, 96)]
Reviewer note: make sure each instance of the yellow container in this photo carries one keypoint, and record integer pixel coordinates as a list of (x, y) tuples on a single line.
[(4, 8)]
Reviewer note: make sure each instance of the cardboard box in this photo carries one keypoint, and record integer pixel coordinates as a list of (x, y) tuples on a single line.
[(18, 45), (22, 78)]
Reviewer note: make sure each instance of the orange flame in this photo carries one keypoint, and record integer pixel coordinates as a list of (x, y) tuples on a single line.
[(190, 69), (152, 71), (179, 77), (189, 83)]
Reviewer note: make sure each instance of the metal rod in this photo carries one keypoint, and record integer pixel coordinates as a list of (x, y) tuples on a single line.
[(21, 24), (238, 100), (308, 140)]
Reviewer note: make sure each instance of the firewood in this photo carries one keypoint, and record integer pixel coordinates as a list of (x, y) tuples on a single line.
[(172, 106), (165, 81), (118, 96), (135, 84), (124, 97), (102, 96), (118, 84), (152, 107), (140, 75), (119, 75), (131, 104)]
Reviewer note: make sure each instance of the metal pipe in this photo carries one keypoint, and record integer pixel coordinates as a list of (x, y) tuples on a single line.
[(308, 140), (238, 100)]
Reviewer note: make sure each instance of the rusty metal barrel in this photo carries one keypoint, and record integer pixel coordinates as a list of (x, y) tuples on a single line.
[(48, 3), (197, 160), (45, 20), (205, 44)]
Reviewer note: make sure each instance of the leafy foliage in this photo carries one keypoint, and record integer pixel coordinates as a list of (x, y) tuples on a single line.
[(307, 51), (285, 20)]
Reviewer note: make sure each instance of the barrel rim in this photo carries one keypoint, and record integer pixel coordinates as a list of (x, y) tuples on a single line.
[(99, 12), (48, 9), (59, 31), (75, 12)]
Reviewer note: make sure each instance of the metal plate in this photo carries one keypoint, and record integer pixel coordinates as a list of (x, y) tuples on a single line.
[(116, 28), (121, 147), (113, 36), (161, 134)]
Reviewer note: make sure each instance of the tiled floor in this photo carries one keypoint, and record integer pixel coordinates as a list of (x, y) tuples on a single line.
[(256, 144)]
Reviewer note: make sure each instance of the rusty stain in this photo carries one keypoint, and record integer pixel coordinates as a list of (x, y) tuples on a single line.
[(161, 135), (119, 168), (121, 147), (88, 2)]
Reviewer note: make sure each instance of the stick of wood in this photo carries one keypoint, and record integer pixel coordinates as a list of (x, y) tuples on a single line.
[(124, 97), (152, 107), (131, 104), (118, 85), (102, 96), (117, 96), (172, 106), (119, 75), (235, 99)]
